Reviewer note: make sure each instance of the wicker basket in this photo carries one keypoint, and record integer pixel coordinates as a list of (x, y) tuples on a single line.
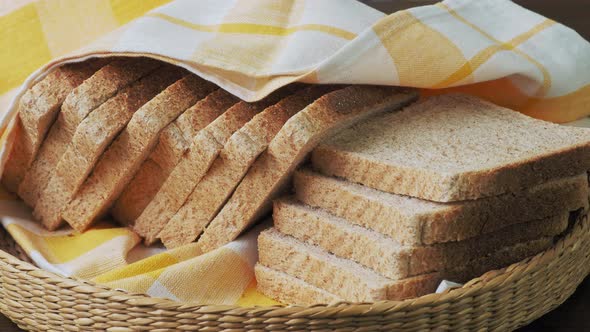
[(506, 299)]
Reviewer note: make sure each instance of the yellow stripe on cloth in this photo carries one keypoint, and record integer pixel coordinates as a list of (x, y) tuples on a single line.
[(23, 47), (256, 29), (85, 255), (59, 249), (217, 277), (421, 54), (64, 36), (127, 10), (153, 263), (489, 52)]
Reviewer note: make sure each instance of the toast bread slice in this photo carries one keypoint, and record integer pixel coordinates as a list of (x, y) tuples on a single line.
[(94, 91), (454, 148), (385, 255), (226, 172), (172, 144), (356, 283), (271, 172), (290, 290), (37, 111), (194, 164), (91, 138), (125, 155), (412, 221)]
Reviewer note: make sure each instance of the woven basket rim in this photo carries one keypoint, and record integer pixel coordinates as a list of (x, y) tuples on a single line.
[(489, 279)]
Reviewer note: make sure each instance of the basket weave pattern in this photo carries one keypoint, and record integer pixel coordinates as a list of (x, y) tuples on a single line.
[(502, 300)]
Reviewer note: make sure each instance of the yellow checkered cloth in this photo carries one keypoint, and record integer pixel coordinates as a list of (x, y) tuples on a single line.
[(491, 48), (114, 256)]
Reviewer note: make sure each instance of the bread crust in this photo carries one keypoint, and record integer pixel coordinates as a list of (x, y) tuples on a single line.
[(288, 289), (386, 256), (94, 91), (117, 166), (355, 283), (173, 143), (417, 222), (238, 154), (271, 172), (204, 148), (453, 148), (92, 137), (37, 111)]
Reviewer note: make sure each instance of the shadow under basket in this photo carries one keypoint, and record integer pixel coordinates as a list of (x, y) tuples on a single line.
[(502, 300)]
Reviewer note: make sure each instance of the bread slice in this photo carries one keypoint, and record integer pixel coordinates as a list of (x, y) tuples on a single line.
[(92, 137), (272, 170), (355, 283), (37, 110), (453, 148), (204, 148), (412, 221), (101, 86), (226, 172), (288, 289), (385, 255), (123, 158), (172, 144)]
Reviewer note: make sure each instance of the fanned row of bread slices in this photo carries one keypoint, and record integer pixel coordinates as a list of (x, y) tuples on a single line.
[(166, 152), (377, 196)]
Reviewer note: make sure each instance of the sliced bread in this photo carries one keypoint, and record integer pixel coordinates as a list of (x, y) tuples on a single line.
[(453, 148), (412, 221), (287, 289), (172, 144), (123, 158), (356, 283), (226, 172), (94, 91), (37, 111), (385, 255), (203, 150), (271, 172), (91, 138)]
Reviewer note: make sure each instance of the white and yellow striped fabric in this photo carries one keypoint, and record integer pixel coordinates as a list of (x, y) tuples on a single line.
[(491, 48), (114, 256)]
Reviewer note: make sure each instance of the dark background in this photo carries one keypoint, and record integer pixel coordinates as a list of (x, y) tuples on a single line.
[(574, 314)]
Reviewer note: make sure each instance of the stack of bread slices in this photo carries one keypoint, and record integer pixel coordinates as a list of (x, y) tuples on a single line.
[(448, 188), (165, 152)]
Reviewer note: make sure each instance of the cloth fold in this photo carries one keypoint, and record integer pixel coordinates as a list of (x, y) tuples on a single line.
[(491, 48)]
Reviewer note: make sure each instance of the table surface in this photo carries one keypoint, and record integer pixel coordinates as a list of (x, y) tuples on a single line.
[(573, 314)]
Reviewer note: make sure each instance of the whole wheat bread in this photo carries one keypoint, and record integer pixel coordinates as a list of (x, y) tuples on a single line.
[(356, 283), (226, 172), (454, 148), (37, 111), (415, 221), (91, 138), (204, 148), (290, 290), (172, 144), (271, 172), (385, 255), (94, 91), (123, 158)]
